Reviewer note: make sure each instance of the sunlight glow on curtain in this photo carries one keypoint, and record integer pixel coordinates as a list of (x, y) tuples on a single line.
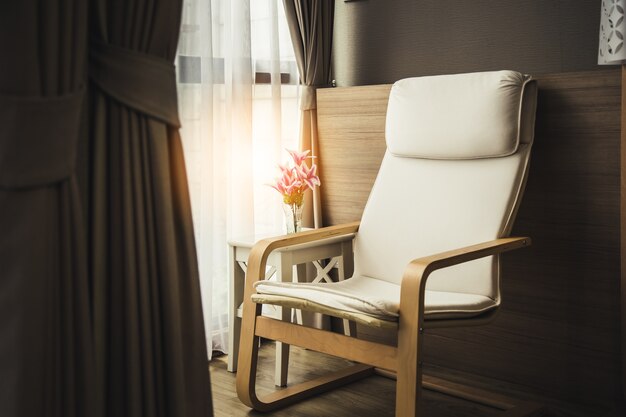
[(238, 98)]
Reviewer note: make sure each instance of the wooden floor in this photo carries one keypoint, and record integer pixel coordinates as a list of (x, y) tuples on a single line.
[(374, 396)]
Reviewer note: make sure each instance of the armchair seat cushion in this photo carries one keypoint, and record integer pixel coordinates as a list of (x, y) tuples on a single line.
[(362, 297)]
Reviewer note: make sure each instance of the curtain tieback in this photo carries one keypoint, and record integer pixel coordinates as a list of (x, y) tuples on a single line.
[(140, 81), (39, 135), (308, 100)]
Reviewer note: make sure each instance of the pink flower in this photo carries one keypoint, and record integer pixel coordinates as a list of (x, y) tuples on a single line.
[(307, 175), (295, 180), (298, 157)]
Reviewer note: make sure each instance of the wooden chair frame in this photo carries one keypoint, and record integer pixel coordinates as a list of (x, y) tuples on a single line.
[(369, 355)]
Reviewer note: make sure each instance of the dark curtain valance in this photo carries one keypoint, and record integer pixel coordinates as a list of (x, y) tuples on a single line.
[(40, 137), (141, 81)]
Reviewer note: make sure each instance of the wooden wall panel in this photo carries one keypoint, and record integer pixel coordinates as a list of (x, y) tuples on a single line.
[(559, 327), (351, 126)]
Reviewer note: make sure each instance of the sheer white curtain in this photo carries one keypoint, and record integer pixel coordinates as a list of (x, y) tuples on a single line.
[(238, 99)]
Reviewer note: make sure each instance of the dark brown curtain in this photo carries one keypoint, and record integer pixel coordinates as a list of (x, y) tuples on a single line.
[(311, 28), (150, 343), (45, 335)]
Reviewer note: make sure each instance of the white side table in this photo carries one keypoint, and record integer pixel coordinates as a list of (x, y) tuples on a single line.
[(281, 262)]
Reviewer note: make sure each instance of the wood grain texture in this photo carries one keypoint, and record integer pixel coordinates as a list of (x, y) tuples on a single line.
[(351, 128), (561, 296), (559, 329), (350, 348), (623, 231)]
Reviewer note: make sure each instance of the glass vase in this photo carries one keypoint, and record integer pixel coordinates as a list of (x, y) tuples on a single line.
[(293, 217)]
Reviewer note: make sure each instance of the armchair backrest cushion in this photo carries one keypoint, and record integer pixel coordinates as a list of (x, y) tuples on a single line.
[(461, 116), (458, 148)]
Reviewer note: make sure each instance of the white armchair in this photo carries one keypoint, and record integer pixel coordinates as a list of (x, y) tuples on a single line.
[(426, 249)]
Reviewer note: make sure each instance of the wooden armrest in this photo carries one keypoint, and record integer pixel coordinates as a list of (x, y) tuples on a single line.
[(418, 270), (469, 253), (256, 271), (413, 290), (261, 250)]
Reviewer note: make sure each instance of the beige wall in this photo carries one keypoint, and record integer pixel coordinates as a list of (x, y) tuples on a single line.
[(381, 41)]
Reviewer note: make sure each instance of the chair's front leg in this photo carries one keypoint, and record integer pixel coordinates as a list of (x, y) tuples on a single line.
[(249, 346), (283, 273), (410, 339)]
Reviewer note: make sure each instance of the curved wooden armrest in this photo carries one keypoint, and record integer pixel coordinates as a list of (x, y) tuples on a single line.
[(441, 260), (261, 250), (412, 292), (417, 271), (257, 262)]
